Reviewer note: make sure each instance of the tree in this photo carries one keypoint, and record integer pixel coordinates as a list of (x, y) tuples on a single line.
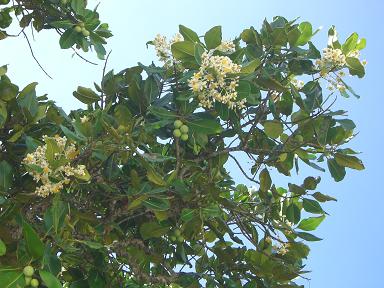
[(136, 189)]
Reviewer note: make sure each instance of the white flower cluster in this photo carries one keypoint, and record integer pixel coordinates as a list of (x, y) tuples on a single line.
[(226, 47), (332, 58), (53, 179), (163, 48), (214, 81)]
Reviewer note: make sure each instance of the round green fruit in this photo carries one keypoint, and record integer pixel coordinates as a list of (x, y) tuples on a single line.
[(34, 283), (299, 138), (78, 29), (177, 232), (172, 238), (177, 123), (4, 2), (82, 25), (184, 137), (184, 129), (85, 32), (180, 238), (28, 271), (27, 280), (177, 133)]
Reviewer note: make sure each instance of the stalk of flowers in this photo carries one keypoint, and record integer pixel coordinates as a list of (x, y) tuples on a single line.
[(50, 165), (333, 60), (163, 48), (214, 82)]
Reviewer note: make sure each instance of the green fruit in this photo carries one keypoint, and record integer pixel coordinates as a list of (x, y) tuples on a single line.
[(180, 238), (27, 280), (85, 32), (172, 238), (34, 283), (64, 2), (4, 2), (184, 129), (82, 25), (177, 133), (78, 29), (177, 123), (177, 232), (28, 271), (184, 137)]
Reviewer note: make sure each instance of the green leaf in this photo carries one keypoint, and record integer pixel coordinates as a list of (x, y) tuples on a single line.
[(11, 278), (293, 213), (306, 33), (202, 123), (153, 230), (213, 37), (156, 178), (86, 95), (188, 34), (3, 113), (157, 204), (151, 89), (49, 280), (27, 99), (78, 7), (35, 246), (251, 66), (3, 248), (349, 161), (162, 113), (5, 176), (273, 128), (265, 180), (312, 206), (337, 171), (347, 124), (72, 135), (310, 223), (322, 197), (183, 50), (8, 91), (350, 43), (308, 236), (69, 38), (355, 67)]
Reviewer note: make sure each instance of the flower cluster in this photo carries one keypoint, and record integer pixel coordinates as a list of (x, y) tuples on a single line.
[(226, 47), (332, 58), (214, 82), (53, 173), (298, 84), (163, 48)]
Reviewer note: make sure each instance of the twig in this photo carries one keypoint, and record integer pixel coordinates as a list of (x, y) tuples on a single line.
[(82, 57), (33, 55), (102, 79), (242, 170)]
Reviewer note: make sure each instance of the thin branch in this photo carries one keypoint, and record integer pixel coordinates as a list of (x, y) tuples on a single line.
[(102, 79), (242, 170)]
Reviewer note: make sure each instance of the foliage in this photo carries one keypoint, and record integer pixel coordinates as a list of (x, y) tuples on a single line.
[(159, 205)]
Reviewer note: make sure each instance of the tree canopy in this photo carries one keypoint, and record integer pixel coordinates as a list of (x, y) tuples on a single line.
[(134, 189)]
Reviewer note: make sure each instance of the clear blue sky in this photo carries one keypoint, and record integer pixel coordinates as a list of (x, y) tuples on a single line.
[(350, 254)]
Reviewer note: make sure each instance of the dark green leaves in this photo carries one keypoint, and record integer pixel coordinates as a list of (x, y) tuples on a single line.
[(202, 123), (86, 95), (213, 37), (5, 176), (337, 171), (308, 236), (293, 213), (152, 230), (11, 277), (34, 245), (27, 99), (69, 38), (49, 280), (312, 206), (355, 67)]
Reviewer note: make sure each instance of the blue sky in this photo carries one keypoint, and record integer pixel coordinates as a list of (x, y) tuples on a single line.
[(350, 254)]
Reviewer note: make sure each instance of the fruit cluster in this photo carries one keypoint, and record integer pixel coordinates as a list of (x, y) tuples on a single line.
[(181, 130), (80, 28), (176, 236), (28, 273)]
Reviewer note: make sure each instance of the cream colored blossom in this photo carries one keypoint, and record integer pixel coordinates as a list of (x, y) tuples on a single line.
[(163, 48), (215, 82), (84, 119), (226, 47), (53, 179)]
